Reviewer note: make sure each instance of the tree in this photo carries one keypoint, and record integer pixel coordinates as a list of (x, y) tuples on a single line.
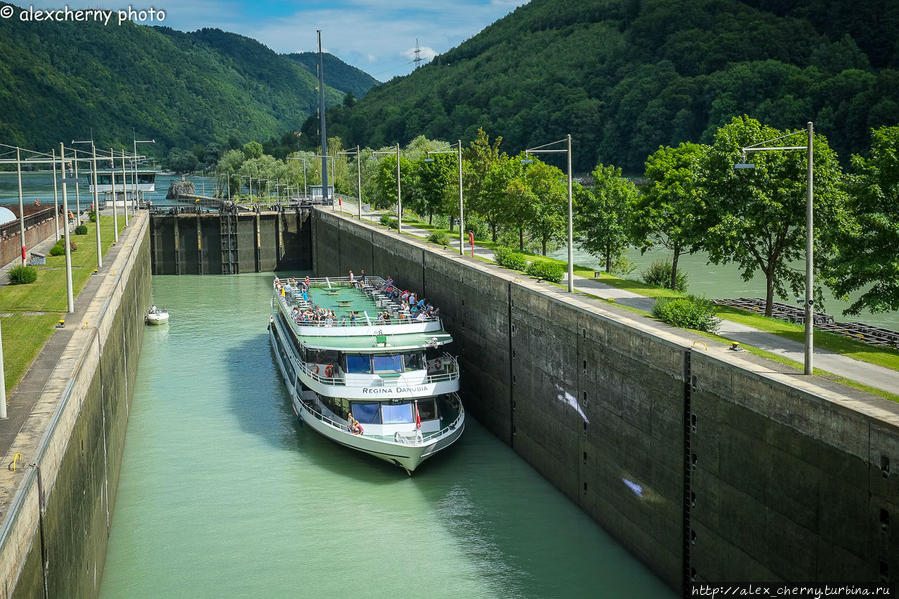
[(182, 161), (604, 214), (384, 182), (518, 206), (865, 254), (432, 179), (479, 158), (227, 170), (549, 210), (252, 149), (669, 210), (755, 218)]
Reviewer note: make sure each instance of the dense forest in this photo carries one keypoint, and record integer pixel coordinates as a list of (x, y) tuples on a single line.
[(626, 76), (60, 81), (338, 74)]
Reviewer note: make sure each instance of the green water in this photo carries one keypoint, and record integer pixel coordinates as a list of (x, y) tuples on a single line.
[(223, 494)]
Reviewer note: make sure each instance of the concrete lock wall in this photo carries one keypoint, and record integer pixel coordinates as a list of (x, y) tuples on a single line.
[(56, 525), (707, 465), (197, 243)]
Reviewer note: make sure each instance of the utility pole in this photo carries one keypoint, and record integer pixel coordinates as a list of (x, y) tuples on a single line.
[(55, 196), (321, 109), (21, 204), (70, 297)]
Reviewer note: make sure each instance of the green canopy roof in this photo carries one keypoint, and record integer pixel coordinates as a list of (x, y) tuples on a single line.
[(368, 344)]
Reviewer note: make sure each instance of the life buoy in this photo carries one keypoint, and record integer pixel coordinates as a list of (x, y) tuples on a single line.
[(329, 371), (314, 369)]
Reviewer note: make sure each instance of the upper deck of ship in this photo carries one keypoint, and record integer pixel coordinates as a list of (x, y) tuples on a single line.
[(357, 316)]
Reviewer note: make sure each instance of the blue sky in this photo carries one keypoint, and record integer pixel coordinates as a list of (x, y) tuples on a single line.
[(377, 36)]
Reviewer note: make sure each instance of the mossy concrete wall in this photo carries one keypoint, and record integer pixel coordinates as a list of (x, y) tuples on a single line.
[(706, 464), (57, 512)]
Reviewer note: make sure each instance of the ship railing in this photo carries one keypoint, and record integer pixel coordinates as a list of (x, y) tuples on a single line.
[(445, 368), (447, 365), (366, 320), (341, 425), (316, 373)]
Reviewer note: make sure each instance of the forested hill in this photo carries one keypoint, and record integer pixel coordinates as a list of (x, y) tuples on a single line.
[(625, 76), (338, 74), (60, 80)]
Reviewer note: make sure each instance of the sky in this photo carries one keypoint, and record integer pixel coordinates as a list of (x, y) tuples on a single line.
[(377, 36)]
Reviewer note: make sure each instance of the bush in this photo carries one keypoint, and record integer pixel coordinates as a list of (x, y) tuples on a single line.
[(500, 253), (21, 275), (81, 230), (516, 261), (93, 216), (659, 274), (439, 237), (689, 312), (57, 250), (548, 271), (393, 224), (385, 219)]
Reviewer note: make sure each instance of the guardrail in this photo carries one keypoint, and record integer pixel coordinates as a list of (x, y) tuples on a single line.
[(448, 363)]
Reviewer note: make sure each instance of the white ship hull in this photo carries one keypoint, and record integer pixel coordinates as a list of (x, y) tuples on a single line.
[(406, 450)]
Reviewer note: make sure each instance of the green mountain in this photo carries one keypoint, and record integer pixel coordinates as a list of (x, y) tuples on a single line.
[(625, 76), (338, 74), (59, 81)]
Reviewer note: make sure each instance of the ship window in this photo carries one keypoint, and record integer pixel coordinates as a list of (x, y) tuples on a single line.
[(366, 413), (396, 413), (103, 179), (427, 409), (414, 361), (387, 363), (358, 363), (144, 179)]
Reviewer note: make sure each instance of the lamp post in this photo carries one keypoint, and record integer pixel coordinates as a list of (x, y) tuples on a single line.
[(325, 187), (399, 195), (21, 204), (70, 297), (544, 150), (115, 212), (95, 196), (124, 188), (138, 141), (808, 367), (357, 153), (55, 197), (458, 152)]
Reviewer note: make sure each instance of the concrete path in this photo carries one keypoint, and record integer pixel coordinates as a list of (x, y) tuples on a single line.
[(864, 372)]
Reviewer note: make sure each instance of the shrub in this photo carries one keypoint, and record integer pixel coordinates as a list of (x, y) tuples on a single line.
[(81, 230), (516, 261), (57, 250), (439, 237), (393, 224), (21, 275), (385, 219), (659, 274), (93, 216), (500, 253), (548, 271), (689, 312)]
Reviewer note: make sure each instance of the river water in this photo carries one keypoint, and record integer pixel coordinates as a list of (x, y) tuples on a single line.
[(724, 281), (224, 494)]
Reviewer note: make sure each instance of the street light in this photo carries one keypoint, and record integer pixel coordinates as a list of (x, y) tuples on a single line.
[(567, 150), (70, 296), (809, 231), (138, 141), (358, 155), (458, 152), (399, 195), (96, 196)]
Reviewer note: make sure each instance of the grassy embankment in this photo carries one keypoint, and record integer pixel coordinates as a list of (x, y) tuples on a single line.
[(38, 306), (847, 346)]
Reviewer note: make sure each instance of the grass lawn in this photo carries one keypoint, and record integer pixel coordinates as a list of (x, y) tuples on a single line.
[(881, 356), (25, 335)]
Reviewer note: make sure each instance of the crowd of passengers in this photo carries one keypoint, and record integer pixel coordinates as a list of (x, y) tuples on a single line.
[(411, 306), (409, 302)]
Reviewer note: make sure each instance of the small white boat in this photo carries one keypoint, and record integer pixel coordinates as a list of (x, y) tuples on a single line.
[(157, 316)]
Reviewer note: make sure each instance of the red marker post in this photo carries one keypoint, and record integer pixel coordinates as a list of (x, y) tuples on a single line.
[(471, 241)]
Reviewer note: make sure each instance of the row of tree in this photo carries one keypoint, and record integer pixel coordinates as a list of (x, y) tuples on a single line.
[(690, 199)]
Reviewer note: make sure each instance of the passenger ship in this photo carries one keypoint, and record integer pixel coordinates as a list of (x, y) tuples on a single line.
[(114, 181), (388, 374)]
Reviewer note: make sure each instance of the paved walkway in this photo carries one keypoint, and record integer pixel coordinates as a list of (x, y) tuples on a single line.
[(864, 372)]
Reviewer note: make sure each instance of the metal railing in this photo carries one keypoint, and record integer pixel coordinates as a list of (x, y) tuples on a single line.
[(342, 425), (449, 364)]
